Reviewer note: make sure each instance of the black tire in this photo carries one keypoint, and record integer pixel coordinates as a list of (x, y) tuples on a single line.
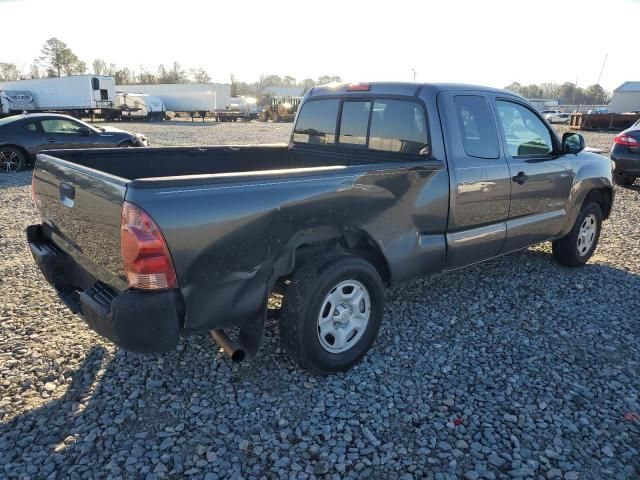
[(566, 250), (625, 180), (12, 160), (307, 294)]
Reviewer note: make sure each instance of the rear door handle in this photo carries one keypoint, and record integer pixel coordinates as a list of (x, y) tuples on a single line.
[(51, 140), (520, 178)]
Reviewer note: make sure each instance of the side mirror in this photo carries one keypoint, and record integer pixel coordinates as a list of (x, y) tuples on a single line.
[(572, 143), (84, 131)]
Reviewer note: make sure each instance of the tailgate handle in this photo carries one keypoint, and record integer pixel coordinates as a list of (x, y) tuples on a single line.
[(67, 194)]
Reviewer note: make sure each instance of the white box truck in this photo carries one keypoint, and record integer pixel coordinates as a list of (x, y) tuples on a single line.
[(77, 94), (196, 99), (140, 106)]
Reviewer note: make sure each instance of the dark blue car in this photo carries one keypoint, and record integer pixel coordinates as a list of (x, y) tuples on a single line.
[(23, 136)]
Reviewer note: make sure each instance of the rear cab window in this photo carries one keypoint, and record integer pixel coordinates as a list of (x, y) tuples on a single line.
[(376, 124), (317, 122)]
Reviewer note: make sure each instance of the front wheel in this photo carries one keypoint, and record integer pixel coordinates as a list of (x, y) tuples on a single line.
[(577, 247), (331, 312)]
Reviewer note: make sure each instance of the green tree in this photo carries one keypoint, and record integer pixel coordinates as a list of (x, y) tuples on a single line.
[(324, 79), (597, 95), (307, 84), (57, 58), (288, 81), (514, 87)]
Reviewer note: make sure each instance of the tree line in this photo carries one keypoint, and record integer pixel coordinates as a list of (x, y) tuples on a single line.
[(57, 59), (568, 92)]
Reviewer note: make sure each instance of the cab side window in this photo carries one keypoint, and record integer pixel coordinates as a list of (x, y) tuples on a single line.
[(478, 130), (397, 126), (525, 133)]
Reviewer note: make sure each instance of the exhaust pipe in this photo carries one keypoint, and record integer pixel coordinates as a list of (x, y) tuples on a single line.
[(231, 347)]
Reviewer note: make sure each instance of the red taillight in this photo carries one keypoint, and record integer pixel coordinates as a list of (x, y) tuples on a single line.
[(359, 87), (147, 262), (624, 139)]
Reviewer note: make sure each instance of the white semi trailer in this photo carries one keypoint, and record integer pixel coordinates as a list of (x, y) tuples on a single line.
[(77, 95), (195, 99)]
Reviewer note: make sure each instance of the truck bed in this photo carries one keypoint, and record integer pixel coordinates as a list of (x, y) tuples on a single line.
[(157, 163)]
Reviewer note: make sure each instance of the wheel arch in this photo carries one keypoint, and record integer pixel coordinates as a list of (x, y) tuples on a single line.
[(310, 242), (603, 196), (28, 157)]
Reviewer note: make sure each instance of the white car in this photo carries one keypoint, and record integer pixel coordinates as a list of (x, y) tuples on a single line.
[(556, 116)]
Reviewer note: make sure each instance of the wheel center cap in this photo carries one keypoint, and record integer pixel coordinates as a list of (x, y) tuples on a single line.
[(341, 314)]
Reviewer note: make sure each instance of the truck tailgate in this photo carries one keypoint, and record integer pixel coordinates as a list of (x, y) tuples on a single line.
[(81, 212)]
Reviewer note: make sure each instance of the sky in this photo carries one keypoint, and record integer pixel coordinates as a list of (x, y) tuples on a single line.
[(487, 42)]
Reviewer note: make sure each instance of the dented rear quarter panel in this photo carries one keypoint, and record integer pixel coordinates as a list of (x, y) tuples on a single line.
[(224, 238)]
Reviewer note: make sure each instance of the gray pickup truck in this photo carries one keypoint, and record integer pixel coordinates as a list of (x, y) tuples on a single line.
[(382, 183)]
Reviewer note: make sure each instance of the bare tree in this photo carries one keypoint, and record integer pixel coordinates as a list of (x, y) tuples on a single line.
[(200, 75), (9, 72), (99, 66), (34, 71)]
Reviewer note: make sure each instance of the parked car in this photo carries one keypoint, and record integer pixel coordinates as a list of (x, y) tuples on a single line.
[(625, 155), (381, 184), (23, 136), (556, 116)]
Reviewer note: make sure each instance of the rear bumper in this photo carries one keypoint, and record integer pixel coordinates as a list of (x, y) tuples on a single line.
[(137, 321), (626, 162)]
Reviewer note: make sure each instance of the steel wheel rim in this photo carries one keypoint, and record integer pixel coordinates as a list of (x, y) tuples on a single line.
[(344, 316), (587, 234), (9, 161)]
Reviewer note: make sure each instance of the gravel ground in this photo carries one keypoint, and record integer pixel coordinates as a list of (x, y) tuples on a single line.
[(517, 368)]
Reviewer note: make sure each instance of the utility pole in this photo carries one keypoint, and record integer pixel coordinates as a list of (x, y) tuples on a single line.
[(575, 87), (602, 69)]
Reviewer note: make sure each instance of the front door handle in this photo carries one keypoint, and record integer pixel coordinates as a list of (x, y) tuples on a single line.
[(520, 178), (51, 140)]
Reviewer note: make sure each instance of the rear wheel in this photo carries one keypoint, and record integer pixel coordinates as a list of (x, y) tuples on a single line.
[(577, 247), (626, 180), (12, 160), (331, 312)]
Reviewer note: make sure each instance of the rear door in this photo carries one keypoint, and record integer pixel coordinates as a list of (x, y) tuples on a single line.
[(479, 178), (541, 178)]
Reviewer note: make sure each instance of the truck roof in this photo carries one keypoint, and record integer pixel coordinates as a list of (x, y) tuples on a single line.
[(398, 88)]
